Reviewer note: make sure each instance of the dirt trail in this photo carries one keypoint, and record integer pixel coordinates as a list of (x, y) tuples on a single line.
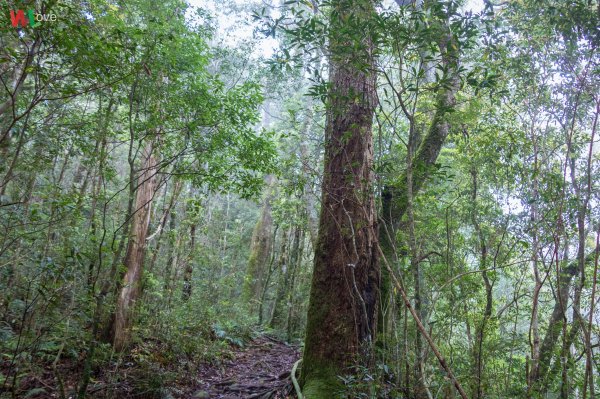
[(259, 371)]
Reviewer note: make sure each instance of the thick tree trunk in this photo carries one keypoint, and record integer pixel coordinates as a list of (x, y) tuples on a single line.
[(342, 310), (136, 248)]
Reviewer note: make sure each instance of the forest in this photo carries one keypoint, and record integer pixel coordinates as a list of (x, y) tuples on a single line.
[(312, 199)]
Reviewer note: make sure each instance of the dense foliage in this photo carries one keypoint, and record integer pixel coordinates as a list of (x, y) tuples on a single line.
[(161, 176)]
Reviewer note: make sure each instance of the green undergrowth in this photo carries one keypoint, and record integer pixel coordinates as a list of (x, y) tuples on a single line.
[(168, 347)]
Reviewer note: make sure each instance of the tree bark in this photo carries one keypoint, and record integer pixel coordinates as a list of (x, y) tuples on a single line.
[(136, 248), (342, 309), (270, 270)]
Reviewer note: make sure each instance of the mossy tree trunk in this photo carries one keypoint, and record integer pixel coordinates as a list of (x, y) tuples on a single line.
[(342, 309), (542, 376), (421, 391)]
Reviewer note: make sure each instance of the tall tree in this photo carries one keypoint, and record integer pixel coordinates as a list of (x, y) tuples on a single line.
[(136, 250)]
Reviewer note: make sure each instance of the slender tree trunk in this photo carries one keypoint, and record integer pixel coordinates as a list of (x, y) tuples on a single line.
[(534, 335), (290, 296), (173, 243), (394, 199), (136, 248), (8, 109), (309, 195), (260, 250), (588, 344), (341, 320), (283, 265), (270, 270), (283, 288), (442, 361), (189, 267), (581, 218), (480, 330), (421, 390), (558, 319), (540, 376), (163, 223), (9, 173)]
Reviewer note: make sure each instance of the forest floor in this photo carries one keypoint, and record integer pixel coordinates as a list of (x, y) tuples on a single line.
[(260, 370)]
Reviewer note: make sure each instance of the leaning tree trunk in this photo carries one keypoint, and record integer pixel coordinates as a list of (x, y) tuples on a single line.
[(342, 310), (136, 248), (394, 198)]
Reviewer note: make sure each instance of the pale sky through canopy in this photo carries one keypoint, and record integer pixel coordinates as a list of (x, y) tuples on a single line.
[(233, 28)]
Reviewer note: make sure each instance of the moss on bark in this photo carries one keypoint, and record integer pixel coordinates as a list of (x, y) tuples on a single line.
[(323, 383)]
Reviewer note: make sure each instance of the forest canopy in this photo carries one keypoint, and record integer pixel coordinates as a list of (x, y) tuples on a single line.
[(299, 199)]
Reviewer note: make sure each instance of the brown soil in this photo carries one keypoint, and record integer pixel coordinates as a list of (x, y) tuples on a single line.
[(261, 370)]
